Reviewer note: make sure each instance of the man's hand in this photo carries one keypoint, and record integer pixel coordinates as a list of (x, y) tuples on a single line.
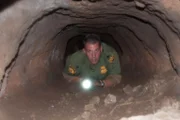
[(76, 79), (89, 84), (71, 79), (99, 83)]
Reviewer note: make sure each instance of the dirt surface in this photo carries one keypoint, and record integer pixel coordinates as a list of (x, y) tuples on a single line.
[(52, 103)]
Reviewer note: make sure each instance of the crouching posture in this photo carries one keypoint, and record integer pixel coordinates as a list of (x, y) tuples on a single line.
[(96, 62)]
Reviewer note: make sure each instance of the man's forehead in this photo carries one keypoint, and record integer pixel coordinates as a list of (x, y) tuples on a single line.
[(92, 45)]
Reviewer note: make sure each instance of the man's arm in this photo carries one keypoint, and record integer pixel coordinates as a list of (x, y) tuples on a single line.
[(112, 80), (114, 76), (70, 78), (71, 72)]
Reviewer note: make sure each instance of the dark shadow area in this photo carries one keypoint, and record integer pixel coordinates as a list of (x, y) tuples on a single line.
[(6, 3), (129, 0)]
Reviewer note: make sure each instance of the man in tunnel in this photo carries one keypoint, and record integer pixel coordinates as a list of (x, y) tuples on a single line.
[(96, 61)]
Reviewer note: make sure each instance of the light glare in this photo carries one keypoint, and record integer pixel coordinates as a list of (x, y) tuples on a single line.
[(86, 84)]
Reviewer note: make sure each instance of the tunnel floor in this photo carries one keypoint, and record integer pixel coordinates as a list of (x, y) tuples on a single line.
[(56, 103)]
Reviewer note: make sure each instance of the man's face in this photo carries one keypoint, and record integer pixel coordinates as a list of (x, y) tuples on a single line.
[(93, 52)]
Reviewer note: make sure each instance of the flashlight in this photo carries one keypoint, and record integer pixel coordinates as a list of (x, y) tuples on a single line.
[(86, 84)]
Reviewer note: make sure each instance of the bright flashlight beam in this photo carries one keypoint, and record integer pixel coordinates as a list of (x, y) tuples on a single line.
[(86, 84)]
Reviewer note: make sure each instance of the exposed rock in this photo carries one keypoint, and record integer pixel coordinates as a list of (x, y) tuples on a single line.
[(33, 116), (86, 115), (122, 100), (139, 4), (67, 94), (138, 90), (128, 90), (110, 99), (168, 112), (90, 107), (115, 3), (128, 111), (77, 118), (52, 106), (95, 100), (130, 99), (133, 91)]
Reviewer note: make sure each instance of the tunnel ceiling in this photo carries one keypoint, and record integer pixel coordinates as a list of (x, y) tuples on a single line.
[(35, 33)]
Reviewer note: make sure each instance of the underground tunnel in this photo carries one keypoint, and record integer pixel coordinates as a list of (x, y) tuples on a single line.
[(37, 36)]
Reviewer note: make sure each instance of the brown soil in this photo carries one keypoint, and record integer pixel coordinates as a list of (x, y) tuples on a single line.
[(56, 104)]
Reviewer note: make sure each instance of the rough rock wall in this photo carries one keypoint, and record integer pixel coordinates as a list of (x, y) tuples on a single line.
[(34, 34)]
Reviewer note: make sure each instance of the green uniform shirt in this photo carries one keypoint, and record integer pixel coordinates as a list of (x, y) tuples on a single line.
[(78, 64)]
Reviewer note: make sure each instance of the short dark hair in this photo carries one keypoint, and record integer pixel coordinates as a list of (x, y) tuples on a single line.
[(92, 38)]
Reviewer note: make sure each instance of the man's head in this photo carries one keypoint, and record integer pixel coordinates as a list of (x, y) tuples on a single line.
[(92, 48)]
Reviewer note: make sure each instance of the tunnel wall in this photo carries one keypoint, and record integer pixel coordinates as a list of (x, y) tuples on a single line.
[(148, 32)]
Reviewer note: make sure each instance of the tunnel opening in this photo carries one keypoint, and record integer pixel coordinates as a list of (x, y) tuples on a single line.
[(132, 69), (146, 42)]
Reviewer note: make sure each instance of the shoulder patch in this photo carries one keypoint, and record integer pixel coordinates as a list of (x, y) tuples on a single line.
[(103, 69), (71, 70), (111, 58)]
